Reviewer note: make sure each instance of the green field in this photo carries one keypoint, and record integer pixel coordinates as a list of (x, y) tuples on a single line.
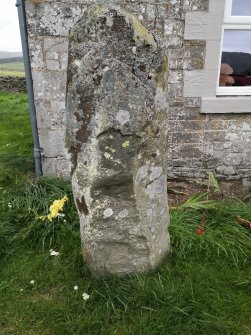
[(202, 288), (12, 69), (16, 148)]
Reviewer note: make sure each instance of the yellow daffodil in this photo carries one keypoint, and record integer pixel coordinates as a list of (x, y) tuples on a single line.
[(55, 208)]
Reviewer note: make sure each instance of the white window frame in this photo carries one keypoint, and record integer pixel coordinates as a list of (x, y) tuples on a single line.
[(203, 83), (228, 18), (232, 23)]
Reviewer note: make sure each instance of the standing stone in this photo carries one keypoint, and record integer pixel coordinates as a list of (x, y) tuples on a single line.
[(116, 134)]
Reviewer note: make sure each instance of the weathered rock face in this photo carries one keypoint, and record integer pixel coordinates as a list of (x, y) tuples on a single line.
[(116, 133)]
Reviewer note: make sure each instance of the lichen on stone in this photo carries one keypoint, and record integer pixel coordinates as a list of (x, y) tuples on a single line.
[(161, 72), (126, 144), (141, 34)]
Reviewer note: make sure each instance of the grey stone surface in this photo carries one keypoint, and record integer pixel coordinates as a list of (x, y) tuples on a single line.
[(51, 114), (52, 142), (116, 133), (49, 85)]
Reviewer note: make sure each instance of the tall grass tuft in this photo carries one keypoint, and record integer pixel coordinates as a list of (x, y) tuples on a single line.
[(223, 237)]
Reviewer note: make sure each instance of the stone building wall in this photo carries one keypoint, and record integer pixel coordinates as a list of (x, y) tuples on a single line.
[(12, 84), (220, 141)]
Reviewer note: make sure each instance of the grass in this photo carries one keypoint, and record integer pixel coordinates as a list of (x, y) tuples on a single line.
[(203, 287), (15, 138), (12, 69)]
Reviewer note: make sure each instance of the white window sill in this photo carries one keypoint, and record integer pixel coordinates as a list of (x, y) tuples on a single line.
[(224, 105), (234, 91)]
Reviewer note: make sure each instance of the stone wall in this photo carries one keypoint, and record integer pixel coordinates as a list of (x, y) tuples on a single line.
[(220, 141), (12, 84)]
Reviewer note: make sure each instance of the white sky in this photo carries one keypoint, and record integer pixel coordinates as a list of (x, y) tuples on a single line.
[(241, 7), (9, 28), (237, 40)]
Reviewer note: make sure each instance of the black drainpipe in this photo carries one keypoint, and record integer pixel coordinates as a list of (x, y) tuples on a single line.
[(23, 32)]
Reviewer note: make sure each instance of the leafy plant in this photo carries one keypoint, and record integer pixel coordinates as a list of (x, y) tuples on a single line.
[(213, 182), (201, 200), (198, 201)]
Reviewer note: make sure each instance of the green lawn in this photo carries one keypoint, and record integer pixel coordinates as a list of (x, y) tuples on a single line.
[(16, 148), (12, 69), (203, 287)]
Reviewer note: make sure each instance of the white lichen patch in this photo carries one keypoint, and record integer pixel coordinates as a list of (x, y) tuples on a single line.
[(112, 150), (123, 117), (105, 69), (77, 62), (123, 214), (55, 22), (109, 21), (108, 155), (246, 126), (108, 212), (232, 137)]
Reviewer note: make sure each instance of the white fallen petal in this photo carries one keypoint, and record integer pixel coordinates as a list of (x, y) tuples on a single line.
[(32, 282), (75, 287), (85, 296), (54, 253)]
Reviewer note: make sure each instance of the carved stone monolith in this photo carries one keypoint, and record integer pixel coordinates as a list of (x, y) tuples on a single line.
[(116, 133)]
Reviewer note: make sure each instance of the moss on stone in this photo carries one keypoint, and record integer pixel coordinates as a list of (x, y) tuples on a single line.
[(84, 255), (141, 33), (160, 76), (98, 10)]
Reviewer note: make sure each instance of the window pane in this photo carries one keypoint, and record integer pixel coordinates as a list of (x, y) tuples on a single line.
[(236, 58), (241, 8)]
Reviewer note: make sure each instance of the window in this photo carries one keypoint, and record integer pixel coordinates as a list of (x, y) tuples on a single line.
[(235, 57), (215, 27)]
